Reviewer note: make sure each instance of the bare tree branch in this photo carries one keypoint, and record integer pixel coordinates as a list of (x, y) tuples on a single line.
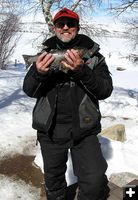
[(128, 9), (124, 6), (9, 25)]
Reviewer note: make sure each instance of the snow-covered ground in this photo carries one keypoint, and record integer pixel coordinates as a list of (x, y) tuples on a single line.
[(17, 136)]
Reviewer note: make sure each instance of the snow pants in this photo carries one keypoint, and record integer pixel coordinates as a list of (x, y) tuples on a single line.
[(89, 166)]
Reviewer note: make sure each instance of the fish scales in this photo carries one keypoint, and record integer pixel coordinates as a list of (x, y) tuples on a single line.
[(58, 54)]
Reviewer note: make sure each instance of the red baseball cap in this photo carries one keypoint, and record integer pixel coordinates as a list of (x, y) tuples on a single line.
[(66, 13)]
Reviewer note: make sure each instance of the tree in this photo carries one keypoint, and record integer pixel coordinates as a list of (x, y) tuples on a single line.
[(81, 6), (128, 9), (50, 6), (124, 6), (9, 25)]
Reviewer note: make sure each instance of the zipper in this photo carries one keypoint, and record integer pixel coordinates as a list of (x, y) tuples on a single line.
[(36, 89), (88, 90)]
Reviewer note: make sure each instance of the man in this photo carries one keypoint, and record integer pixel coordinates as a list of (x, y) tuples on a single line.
[(66, 114)]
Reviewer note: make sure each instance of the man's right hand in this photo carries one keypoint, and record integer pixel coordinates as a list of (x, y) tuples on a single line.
[(43, 62)]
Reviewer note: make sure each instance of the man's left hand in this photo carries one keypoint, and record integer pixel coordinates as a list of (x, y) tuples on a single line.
[(73, 60)]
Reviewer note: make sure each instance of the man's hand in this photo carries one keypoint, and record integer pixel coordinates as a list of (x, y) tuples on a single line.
[(43, 62), (73, 60)]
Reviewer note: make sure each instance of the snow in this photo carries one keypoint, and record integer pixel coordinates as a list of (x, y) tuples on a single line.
[(17, 135), (17, 190)]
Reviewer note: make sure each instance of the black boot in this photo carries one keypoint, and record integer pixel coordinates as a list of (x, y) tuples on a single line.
[(56, 195)]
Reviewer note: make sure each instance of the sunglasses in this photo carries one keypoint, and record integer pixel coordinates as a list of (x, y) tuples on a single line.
[(70, 24)]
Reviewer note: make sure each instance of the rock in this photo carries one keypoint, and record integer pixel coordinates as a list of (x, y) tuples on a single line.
[(122, 178), (120, 69), (116, 132)]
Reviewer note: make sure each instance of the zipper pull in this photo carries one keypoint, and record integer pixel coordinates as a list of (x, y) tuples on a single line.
[(72, 84)]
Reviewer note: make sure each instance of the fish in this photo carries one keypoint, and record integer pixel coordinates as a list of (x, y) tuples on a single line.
[(59, 56)]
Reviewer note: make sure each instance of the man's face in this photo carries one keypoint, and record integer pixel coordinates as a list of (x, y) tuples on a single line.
[(66, 29)]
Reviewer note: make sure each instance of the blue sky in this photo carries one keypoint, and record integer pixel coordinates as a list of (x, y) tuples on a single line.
[(104, 12), (101, 11)]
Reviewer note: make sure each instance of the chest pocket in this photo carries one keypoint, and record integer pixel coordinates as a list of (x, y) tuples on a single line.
[(41, 114), (89, 114)]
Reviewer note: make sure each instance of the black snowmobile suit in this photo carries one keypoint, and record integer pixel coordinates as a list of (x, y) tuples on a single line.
[(90, 83), (66, 115)]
